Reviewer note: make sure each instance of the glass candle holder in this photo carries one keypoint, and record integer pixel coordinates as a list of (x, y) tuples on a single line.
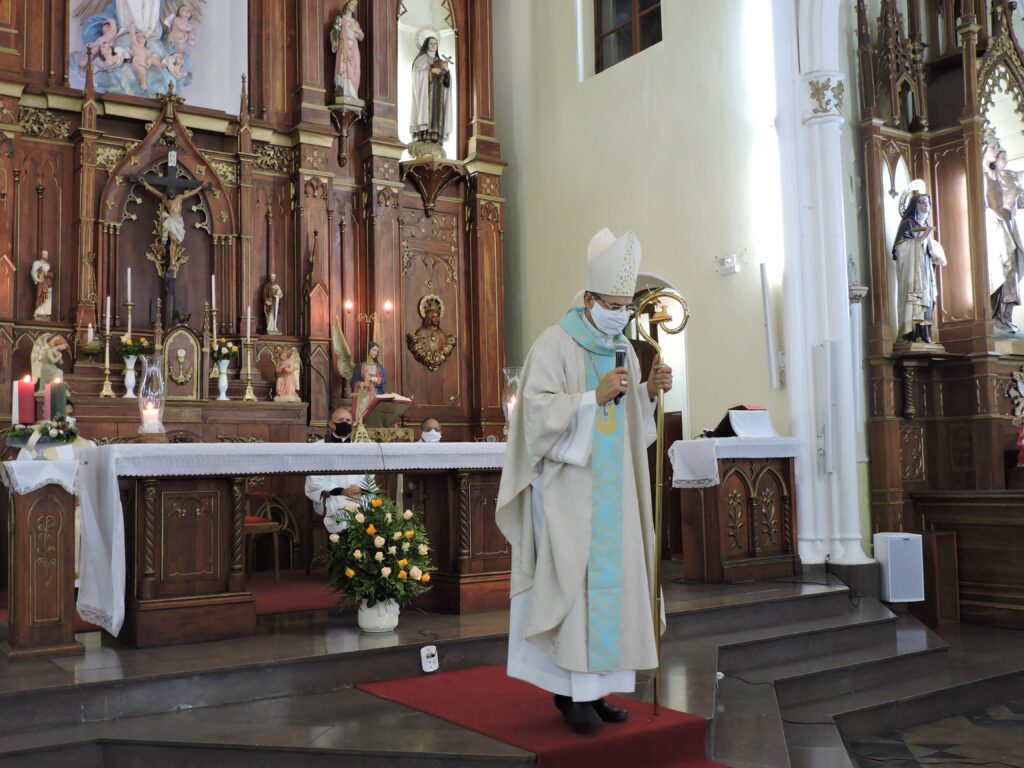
[(152, 396), (510, 393)]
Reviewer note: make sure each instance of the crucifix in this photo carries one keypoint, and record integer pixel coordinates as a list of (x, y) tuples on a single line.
[(176, 191)]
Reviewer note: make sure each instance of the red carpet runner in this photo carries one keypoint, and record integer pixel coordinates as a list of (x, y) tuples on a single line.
[(487, 701)]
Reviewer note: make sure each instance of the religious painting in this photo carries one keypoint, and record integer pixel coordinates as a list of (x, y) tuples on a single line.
[(140, 47)]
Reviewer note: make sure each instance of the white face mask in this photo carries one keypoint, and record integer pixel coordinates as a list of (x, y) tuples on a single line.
[(609, 321), (431, 436)]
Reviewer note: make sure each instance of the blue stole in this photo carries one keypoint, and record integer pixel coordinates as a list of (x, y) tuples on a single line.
[(604, 567)]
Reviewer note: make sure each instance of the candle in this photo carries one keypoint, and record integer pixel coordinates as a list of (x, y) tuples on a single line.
[(58, 394), (150, 418), (348, 305), (89, 334), (248, 321), (108, 314), (46, 403), (213, 292), (26, 401), (388, 306), (129, 285)]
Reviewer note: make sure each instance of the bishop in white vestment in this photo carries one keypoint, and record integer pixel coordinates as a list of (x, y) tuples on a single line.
[(575, 501)]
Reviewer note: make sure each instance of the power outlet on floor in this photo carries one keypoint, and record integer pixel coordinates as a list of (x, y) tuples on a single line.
[(428, 658)]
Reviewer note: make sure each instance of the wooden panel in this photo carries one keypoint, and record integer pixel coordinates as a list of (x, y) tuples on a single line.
[(957, 283)]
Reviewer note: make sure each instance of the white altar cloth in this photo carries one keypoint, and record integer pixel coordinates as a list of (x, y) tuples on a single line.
[(25, 476), (695, 462), (102, 569)]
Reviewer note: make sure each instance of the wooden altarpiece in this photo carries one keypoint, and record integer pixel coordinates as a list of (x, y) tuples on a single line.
[(935, 85)]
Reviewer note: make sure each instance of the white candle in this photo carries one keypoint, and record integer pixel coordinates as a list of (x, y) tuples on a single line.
[(108, 315), (150, 418), (89, 334), (248, 321), (129, 285), (213, 291)]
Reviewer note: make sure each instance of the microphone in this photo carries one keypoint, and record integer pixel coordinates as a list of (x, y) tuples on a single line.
[(621, 348)]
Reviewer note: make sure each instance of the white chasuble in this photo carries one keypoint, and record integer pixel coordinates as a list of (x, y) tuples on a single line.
[(544, 509)]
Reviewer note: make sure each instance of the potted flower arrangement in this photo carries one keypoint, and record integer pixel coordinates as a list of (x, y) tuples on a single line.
[(131, 348), (221, 353), (377, 555)]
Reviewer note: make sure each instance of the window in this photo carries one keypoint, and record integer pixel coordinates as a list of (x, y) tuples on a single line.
[(624, 27)]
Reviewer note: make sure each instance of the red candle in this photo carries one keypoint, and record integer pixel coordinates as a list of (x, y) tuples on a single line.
[(26, 401)]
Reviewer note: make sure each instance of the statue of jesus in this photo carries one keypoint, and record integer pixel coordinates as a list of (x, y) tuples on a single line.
[(173, 223)]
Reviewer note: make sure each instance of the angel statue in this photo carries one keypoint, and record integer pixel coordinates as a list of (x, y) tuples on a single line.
[(1004, 197), (47, 357), (286, 368), (342, 352), (916, 253), (371, 370)]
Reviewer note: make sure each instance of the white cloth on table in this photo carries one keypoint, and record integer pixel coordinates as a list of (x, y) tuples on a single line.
[(695, 462), (24, 476), (101, 568)]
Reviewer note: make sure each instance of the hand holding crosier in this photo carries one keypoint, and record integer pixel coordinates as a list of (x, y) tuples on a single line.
[(660, 378)]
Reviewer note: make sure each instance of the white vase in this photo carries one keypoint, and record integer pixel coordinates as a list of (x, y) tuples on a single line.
[(383, 617), (129, 376), (222, 379)]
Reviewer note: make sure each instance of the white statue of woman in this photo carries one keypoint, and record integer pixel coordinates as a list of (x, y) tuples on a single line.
[(916, 254), (431, 118), (345, 36), (1003, 200), (144, 15), (44, 286)]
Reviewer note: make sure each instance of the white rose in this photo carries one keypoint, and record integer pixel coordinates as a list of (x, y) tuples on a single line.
[(387, 517), (335, 538), (407, 515), (423, 549), (360, 518), (385, 572), (379, 556), (397, 536), (405, 546), (392, 551), (416, 573), (378, 542), (53, 432), (358, 555)]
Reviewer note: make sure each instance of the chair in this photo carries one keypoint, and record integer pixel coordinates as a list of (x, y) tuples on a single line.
[(260, 524)]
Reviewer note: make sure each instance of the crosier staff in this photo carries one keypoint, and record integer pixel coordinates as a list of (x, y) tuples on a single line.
[(660, 319)]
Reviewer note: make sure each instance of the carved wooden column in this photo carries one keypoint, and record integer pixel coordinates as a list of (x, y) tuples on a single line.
[(310, 45), (150, 515), (236, 578), (84, 217), (41, 562), (248, 291)]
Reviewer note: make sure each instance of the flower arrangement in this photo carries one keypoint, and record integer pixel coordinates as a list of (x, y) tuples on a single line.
[(222, 350), (381, 554), (132, 347), (50, 432)]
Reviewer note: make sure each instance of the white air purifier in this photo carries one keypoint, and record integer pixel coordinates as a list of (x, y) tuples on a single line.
[(902, 567)]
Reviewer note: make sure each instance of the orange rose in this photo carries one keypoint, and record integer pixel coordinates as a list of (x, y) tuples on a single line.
[(410, 534), (402, 563), (349, 573), (371, 530), (402, 575), (426, 578), (376, 502)]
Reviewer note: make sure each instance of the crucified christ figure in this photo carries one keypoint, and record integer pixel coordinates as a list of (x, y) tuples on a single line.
[(173, 223)]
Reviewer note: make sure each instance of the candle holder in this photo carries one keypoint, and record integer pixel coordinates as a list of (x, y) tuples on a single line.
[(249, 394), (108, 389), (152, 396), (128, 306), (510, 394)]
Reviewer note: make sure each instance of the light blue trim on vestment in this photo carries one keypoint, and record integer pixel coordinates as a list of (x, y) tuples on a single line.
[(604, 566)]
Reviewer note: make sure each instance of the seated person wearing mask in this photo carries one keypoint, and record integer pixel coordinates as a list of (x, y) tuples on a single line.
[(430, 431), (342, 489)]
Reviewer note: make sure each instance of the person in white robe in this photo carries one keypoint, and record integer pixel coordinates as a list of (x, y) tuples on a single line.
[(917, 254), (344, 490), (575, 502)]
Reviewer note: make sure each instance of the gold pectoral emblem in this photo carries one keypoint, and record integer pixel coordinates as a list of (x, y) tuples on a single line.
[(606, 419)]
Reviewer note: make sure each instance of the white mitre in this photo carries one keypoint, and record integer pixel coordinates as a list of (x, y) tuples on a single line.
[(613, 263)]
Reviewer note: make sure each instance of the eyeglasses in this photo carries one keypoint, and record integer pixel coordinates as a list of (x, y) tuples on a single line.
[(630, 308)]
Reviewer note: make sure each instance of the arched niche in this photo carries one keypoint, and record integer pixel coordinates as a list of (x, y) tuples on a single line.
[(420, 19)]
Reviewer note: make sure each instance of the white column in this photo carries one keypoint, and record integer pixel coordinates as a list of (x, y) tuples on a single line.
[(820, 372)]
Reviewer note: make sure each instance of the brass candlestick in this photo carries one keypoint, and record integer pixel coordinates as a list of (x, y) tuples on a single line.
[(249, 394), (128, 306), (108, 390)]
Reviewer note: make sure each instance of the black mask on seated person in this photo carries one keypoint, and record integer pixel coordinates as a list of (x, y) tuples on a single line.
[(340, 434)]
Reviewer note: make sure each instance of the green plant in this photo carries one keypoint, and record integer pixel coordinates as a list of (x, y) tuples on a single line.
[(50, 432)]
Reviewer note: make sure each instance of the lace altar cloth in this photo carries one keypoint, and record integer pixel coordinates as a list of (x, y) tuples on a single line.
[(695, 462)]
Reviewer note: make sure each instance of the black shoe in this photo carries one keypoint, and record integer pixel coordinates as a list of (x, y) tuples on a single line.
[(580, 716), (609, 712)]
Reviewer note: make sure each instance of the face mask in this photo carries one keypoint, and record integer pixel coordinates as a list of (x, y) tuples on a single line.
[(609, 321), (432, 436), (342, 431)]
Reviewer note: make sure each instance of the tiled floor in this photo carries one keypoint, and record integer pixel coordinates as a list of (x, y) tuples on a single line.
[(993, 736)]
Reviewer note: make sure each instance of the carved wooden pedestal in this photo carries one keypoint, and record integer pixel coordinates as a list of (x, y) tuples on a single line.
[(186, 575), (744, 528), (472, 557), (41, 573)]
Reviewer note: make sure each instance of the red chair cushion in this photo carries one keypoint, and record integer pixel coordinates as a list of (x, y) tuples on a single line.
[(257, 519)]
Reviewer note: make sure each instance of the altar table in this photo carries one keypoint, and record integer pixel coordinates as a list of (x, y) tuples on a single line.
[(163, 525)]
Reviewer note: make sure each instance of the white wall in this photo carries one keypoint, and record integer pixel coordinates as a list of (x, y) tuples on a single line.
[(676, 143)]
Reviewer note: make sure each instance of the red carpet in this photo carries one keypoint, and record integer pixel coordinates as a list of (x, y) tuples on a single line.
[(487, 701), (296, 592)]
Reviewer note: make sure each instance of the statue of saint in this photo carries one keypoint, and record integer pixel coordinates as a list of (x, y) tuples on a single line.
[(43, 279), (916, 254), (286, 367), (431, 118), (430, 345), (345, 36), (371, 371), (272, 295), (1004, 197)]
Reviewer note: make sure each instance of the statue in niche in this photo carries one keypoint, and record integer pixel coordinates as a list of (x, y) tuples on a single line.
[(1004, 197), (371, 370), (272, 296), (47, 357), (43, 279), (345, 36), (430, 345), (286, 368), (916, 254), (431, 119)]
